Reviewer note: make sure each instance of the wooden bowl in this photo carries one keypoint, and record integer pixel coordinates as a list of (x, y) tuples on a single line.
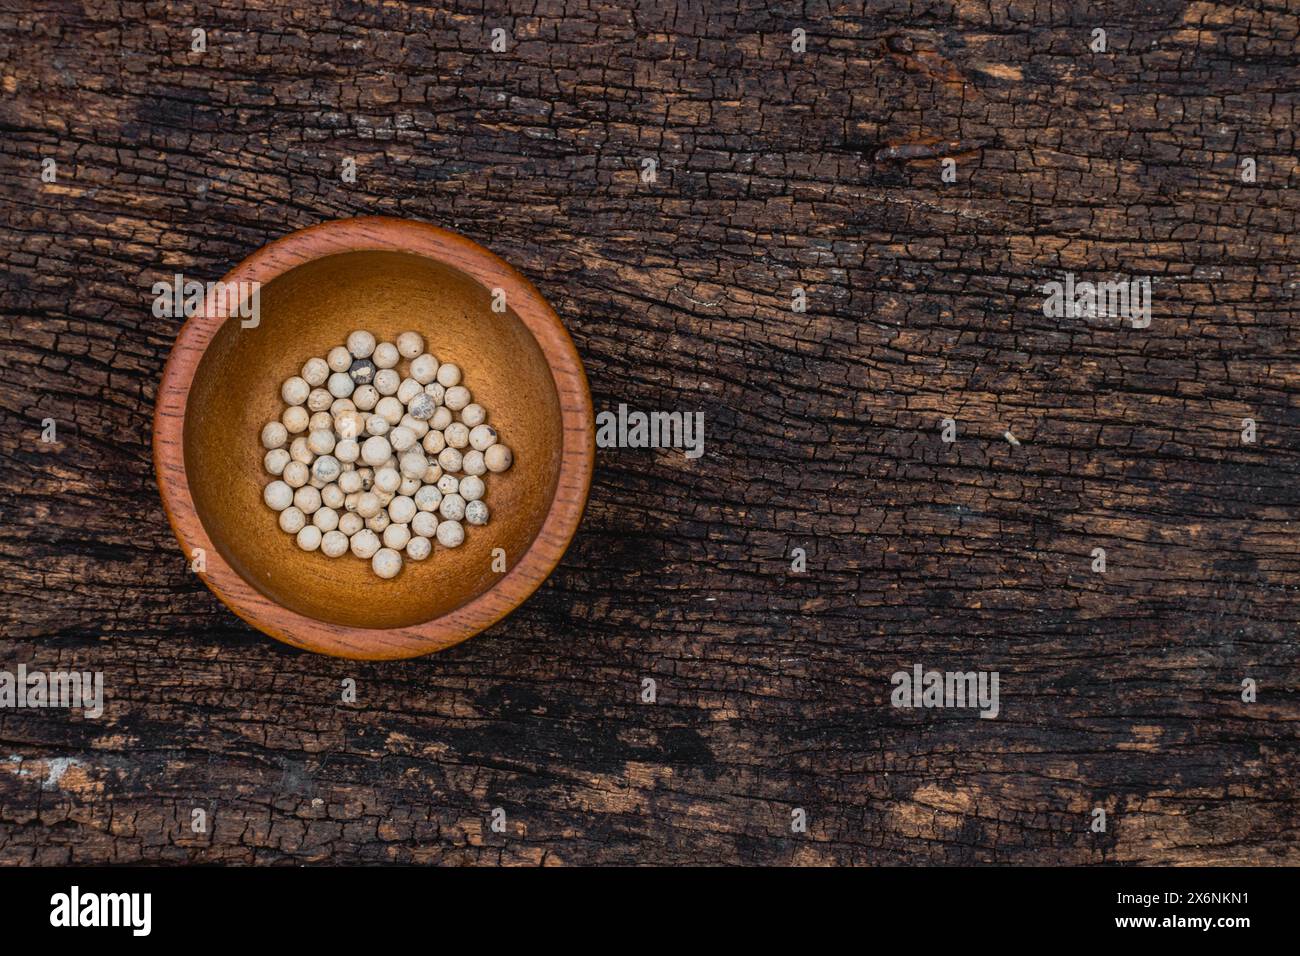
[(222, 384)]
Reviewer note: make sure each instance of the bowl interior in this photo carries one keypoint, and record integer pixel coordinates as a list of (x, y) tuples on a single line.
[(307, 311)]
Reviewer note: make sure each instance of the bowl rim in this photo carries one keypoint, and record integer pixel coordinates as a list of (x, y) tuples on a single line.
[(577, 457)]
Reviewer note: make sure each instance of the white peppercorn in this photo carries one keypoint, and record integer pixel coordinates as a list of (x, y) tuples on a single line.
[(368, 504), (364, 543), (339, 359), (431, 474), (408, 390), (472, 462), (450, 534), (401, 438), (457, 397), (413, 463), (378, 425), (300, 451), (376, 450), (309, 537), (349, 423), (321, 441), (434, 442), (410, 345), (275, 460), (387, 381), (292, 520), (418, 548), (325, 469), (274, 434), (448, 375), (390, 409), (471, 488), (361, 344), (295, 419), (387, 479), (482, 437), (350, 482), (341, 405), (350, 523), (476, 512), (426, 499), (450, 459), (319, 400), (347, 450), (421, 407), (498, 458), (435, 392), (457, 435), (401, 509), (277, 495), (320, 420), (441, 418), (327, 519), (295, 474), (331, 496), (340, 385), (366, 397), (295, 390), (334, 544), (424, 368), (387, 563), (378, 522), (416, 427), (315, 371), (473, 415), (425, 523), (452, 507), (307, 499), (396, 535), (448, 484), (385, 355), (409, 486)]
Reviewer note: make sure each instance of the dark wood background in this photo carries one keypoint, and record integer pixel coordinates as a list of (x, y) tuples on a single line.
[(1120, 691)]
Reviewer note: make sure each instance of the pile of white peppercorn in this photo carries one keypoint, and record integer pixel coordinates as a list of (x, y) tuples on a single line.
[(380, 463)]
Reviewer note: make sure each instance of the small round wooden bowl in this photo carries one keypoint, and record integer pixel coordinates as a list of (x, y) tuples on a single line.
[(222, 384)]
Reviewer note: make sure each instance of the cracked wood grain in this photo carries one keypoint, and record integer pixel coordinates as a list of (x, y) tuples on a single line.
[(1119, 690)]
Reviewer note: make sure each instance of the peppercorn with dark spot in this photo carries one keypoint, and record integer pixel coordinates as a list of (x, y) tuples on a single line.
[(362, 371)]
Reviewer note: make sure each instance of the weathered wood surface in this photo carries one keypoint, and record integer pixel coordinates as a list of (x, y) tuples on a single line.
[(1120, 691)]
